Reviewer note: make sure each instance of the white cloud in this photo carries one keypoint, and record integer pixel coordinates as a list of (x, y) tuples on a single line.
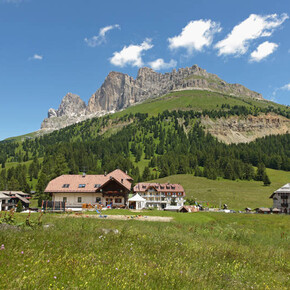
[(159, 64), (36, 57), (131, 54), (195, 35), (101, 37), (263, 50), (286, 87), (12, 1), (255, 26)]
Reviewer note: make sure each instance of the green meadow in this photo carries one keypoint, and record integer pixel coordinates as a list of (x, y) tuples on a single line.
[(195, 250), (237, 194), (192, 100)]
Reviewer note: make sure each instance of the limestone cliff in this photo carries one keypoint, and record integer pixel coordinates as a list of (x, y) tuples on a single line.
[(121, 90)]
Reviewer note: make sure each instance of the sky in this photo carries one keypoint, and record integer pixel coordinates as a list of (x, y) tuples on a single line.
[(51, 47)]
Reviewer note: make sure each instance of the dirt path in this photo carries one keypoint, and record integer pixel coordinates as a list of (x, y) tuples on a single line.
[(121, 217)]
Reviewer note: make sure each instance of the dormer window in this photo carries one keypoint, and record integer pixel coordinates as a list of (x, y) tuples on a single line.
[(65, 186), (97, 185), (82, 185)]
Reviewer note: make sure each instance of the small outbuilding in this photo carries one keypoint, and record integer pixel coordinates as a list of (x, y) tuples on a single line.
[(264, 210), (137, 202), (276, 210), (189, 208)]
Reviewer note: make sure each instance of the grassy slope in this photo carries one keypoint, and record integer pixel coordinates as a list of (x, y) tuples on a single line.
[(199, 250), (236, 194), (195, 100), (183, 100)]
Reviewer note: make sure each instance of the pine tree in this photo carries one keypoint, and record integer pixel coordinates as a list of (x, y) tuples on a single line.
[(19, 206), (60, 166), (146, 174), (13, 184), (260, 172), (266, 180)]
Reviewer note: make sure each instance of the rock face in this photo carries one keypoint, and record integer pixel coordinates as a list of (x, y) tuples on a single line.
[(120, 91), (246, 129), (71, 110)]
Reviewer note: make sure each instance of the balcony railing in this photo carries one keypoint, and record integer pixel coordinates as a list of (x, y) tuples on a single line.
[(284, 204)]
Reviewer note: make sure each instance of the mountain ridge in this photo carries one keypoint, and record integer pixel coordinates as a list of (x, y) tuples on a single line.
[(120, 91)]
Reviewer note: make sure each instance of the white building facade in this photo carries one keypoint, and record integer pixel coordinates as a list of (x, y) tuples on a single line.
[(159, 195), (281, 199)]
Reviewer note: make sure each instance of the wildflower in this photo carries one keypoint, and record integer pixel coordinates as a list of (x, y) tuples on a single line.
[(117, 269), (2, 247), (48, 261), (22, 252), (181, 272), (54, 277), (145, 274)]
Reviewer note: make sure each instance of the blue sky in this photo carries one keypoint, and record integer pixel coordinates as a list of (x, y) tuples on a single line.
[(49, 48)]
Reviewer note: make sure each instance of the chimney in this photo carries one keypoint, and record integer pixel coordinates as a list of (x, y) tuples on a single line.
[(105, 173), (122, 180), (126, 172), (84, 174)]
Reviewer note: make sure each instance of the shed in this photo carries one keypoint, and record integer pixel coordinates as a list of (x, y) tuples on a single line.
[(276, 210), (263, 210)]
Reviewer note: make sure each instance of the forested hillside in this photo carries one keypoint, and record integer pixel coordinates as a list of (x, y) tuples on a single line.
[(147, 147)]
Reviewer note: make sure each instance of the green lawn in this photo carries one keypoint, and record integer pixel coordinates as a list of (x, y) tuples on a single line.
[(198, 250), (236, 194)]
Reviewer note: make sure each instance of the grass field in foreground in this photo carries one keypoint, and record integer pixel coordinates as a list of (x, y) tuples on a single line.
[(236, 194), (198, 250)]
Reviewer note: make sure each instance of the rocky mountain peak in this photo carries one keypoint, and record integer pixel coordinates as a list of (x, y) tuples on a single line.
[(145, 72), (71, 105), (121, 90)]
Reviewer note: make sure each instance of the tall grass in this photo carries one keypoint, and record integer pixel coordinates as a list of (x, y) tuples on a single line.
[(200, 250)]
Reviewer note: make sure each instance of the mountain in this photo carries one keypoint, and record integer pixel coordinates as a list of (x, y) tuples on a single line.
[(120, 91)]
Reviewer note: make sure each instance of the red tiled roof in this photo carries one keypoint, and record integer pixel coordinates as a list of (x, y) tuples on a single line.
[(160, 187), (56, 185)]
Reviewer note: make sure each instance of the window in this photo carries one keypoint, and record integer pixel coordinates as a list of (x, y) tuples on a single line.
[(65, 186), (118, 200), (179, 193), (79, 199), (97, 185), (82, 185), (98, 199), (64, 199)]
